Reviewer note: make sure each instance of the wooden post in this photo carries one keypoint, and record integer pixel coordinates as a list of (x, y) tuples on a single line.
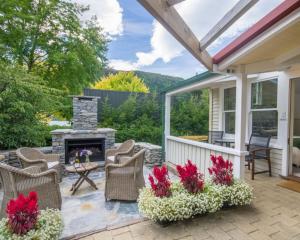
[(240, 123)]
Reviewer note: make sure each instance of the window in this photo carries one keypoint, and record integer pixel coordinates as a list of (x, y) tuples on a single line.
[(264, 108), (229, 110)]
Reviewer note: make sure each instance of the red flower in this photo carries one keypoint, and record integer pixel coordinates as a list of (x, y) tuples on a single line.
[(22, 213), (161, 186), (221, 171), (191, 179)]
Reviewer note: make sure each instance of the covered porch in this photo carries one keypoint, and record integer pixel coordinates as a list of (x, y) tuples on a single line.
[(239, 106)]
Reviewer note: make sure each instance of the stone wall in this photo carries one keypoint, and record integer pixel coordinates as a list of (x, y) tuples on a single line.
[(85, 113), (10, 156), (153, 153)]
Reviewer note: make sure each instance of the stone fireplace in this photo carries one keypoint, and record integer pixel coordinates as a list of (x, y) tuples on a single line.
[(84, 134)]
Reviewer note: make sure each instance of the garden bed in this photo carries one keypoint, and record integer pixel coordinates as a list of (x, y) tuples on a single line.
[(167, 202)]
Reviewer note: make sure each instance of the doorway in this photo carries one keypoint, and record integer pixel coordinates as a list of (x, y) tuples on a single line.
[(295, 129)]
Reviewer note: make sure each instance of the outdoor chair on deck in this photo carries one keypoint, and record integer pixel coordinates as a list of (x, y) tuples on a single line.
[(33, 157), (125, 149), (45, 184), (215, 135), (258, 148), (124, 180)]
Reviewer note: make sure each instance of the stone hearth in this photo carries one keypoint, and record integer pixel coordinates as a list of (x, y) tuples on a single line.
[(59, 136)]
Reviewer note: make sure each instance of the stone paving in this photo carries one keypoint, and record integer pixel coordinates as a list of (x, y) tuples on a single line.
[(274, 215)]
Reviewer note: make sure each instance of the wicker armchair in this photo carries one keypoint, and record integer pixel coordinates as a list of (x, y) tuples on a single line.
[(16, 181), (125, 149), (124, 180), (33, 157)]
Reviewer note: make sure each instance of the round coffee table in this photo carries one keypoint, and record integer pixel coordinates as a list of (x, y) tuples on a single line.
[(83, 171)]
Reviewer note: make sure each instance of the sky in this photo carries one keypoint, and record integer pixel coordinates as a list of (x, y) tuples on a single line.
[(139, 42)]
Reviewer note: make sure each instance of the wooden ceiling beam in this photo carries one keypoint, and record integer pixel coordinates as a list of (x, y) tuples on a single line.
[(230, 17), (173, 22), (173, 2)]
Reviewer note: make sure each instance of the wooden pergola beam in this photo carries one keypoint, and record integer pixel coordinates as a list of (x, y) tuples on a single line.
[(230, 17), (173, 2), (173, 22)]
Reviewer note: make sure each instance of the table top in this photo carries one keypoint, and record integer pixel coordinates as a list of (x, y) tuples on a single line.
[(82, 167), (225, 140)]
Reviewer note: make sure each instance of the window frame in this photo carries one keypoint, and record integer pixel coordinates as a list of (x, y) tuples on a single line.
[(251, 110), (223, 111)]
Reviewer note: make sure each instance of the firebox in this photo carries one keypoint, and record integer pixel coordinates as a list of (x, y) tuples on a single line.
[(95, 146)]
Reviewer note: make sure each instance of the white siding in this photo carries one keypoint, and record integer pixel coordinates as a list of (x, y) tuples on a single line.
[(215, 109)]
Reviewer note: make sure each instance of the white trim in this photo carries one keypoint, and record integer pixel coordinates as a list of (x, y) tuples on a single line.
[(199, 85), (209, 146), (277, 28)]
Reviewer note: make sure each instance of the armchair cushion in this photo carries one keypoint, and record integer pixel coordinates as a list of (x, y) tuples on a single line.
[(111, 159), (52, 164)]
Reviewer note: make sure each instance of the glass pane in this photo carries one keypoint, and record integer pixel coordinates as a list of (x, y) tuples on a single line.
[(265, 123), (229, 122), (264, 94), (229, 99)]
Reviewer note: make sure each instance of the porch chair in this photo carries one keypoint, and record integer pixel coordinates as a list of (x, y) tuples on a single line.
[(34, 157), (45, 184), (124, 180), (214, 135), (258, 148), (125, 149)]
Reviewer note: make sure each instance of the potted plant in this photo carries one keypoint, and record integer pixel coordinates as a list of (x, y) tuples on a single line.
[(25, 221)]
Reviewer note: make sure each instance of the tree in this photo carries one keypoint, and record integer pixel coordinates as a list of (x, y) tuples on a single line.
[(122, 81), (25, 101), (48, 39), (190, 113)]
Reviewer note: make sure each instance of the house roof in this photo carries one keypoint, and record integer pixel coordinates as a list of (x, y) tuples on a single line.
[(283, 10), (184, 83)]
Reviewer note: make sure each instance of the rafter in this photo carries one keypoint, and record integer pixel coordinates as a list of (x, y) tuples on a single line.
[(173, 2), (172, 21), (230, 17)]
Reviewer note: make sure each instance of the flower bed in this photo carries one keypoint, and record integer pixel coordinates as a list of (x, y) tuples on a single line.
[(25, 222), (48, 227), (192, 195)]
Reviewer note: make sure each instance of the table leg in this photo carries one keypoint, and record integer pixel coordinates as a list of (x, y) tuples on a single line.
[(91, 182), (79, 182)]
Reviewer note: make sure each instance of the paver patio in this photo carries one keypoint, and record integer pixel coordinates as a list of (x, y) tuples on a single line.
[(274, 215)]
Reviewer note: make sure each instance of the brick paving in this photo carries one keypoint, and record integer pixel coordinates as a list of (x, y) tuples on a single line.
[(274, 215)]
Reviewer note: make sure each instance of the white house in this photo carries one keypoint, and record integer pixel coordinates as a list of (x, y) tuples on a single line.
[(254, 85)]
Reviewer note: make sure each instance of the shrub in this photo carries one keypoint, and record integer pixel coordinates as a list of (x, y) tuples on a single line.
[(180, 205), (160, 187), (48, 227), (237, 194), (22, 213), (190, 178), (221, 171)]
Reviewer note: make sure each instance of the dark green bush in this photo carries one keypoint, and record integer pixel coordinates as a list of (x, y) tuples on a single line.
[(25, 101)]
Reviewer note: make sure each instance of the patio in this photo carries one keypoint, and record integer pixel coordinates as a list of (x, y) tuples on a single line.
[(274, 215)]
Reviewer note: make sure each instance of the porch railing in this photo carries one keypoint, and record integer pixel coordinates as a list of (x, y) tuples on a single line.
[(179, 150)]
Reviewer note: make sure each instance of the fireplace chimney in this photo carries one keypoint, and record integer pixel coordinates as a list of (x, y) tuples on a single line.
[(85, 109)]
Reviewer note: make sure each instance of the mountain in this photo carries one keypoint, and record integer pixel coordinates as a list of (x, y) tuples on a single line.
[(154, 81)]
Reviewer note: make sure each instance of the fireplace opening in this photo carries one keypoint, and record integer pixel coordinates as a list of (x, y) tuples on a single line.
[(95, 146)]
